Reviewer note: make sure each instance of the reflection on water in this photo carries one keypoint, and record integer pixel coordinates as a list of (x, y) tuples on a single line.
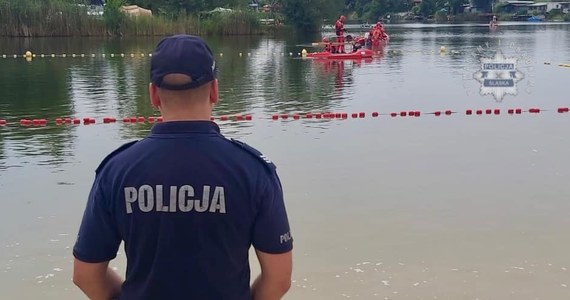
[(393, 208)]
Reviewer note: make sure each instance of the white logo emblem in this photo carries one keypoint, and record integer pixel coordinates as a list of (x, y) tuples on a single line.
[(498, 76)]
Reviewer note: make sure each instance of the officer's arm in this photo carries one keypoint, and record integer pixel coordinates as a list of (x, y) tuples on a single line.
[(275, 278), (96, 280)]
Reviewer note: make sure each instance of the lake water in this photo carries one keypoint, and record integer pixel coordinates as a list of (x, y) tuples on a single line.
[(431, 207)]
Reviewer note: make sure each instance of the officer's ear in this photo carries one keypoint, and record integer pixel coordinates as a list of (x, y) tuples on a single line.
[(214, 96), (154, 99)]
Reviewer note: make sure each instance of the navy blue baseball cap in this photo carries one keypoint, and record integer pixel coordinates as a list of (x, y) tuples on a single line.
[(182, 54)]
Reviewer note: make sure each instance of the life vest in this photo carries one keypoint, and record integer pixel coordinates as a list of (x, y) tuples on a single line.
[(339, 26)]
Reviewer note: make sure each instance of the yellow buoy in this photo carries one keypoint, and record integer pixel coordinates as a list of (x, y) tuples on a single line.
[(304, 52), (92, 55), (112, 55), (82, 55), (64, 55), (132, 55), (221, 54), (3, 55), (73, 55), (150, 55), (103, 54), (28, 54), (442, 49), (122, 54), (240, 54), (42, 56), (53, 55), (142, 54)]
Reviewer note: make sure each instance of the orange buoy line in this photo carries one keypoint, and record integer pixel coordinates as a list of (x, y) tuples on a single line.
[(42, 122)]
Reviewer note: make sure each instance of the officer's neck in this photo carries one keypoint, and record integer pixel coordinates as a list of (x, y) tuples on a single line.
[(193, 113)]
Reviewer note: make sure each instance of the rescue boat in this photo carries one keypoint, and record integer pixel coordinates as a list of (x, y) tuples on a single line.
[(358, 54)]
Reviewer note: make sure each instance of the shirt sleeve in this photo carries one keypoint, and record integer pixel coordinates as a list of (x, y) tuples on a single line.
[(98, 239), (271, 233)]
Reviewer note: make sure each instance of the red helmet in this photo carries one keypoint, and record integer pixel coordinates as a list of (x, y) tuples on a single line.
[(342, 18)]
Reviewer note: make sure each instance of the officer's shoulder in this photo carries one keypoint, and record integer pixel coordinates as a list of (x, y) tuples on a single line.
[(264, 160), (113, 154)]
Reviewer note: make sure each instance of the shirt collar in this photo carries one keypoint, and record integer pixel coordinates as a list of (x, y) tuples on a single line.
[(174, 127)]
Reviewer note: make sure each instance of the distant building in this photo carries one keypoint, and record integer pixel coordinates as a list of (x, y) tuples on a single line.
[(510, 6)]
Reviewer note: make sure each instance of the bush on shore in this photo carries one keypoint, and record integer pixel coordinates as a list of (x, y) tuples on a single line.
[(29, 18)]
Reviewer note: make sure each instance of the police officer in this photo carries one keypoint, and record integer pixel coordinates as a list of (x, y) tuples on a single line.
[(187, 202)]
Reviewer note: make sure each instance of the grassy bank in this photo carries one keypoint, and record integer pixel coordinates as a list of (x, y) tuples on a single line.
[(29, 18), (46, 18)]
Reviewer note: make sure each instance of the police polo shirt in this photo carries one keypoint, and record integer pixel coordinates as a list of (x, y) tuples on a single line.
[(188, 204)]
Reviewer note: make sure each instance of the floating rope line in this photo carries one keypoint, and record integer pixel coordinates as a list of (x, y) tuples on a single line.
[(282, 116)]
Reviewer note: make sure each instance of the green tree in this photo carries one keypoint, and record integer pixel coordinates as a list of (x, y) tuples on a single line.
[(484, 5), (308, 15)]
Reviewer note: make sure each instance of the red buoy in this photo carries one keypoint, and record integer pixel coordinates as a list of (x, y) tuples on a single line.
[(2, 122), (469, 112), (534, 110), (296, 116), (393, 115), (275, 117), (448, 112), (67, 120), (134, 119), (224, 118), (309, 115), (354, 115), (479, 112), (497, 111), (318, 115), (563, 109), (375, 114), (518, 111), (403, 114), (141, 119), (126, 120), (344, 115), (152, 119), (338, 115), (361, 115), (159, 119), (437, 113), (248, 117), (417, 114), (76, 121), (511, 111), (284, 116), (239, 118), (488, 111)]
